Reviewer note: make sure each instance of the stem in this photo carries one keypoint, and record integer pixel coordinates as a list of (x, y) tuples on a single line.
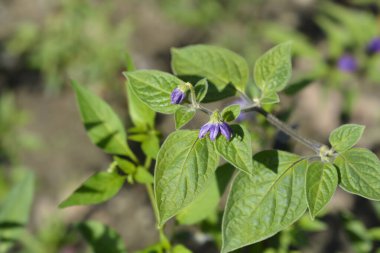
[(204, 109), (163, 239), (149, 188), (314, 145)]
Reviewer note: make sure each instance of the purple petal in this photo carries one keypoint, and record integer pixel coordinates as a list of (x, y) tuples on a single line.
[(374, 45), (214, 131), (177, 96), (347, 63), (204, 130), (225, 129)]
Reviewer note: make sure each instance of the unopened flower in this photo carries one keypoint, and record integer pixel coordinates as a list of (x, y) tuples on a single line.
[(374, 45), (177, 96), (214, 127), (179, 93), (347, 63)]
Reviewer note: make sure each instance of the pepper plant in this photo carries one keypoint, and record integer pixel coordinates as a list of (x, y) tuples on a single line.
[(270, 189)]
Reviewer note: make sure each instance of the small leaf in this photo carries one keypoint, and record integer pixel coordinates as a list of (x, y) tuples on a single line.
[(201, 88), (181, 249), (183, 115), (269, 97), (101, 237), (273, 69), (102, 124), (321, 183), (206, 203), (262, 204), (184, 166), (218, 65), (96, 189), (151, 145), (231, 112), (154, 88), (359, 171), (238, 150), (345, 136), (143, 176), (126, 166), (141, 114), (15, 210)]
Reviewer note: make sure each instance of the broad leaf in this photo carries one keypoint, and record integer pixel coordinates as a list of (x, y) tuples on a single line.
[(184, 166), (262, 204), (321, 183), (154, 88), (273, 69), (206, 203), (238, 150), (103, 126), (141, 115), (98, 188), (15, 210), (359, 171), (101, 237), (219, 65), (345, 136), (230, 113), (201, 88), (183, 115)]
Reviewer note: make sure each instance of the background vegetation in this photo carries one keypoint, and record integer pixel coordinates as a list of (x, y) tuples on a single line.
[(45, 153)]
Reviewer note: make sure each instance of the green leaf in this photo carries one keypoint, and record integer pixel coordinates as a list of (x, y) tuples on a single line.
[(141, 114), (345, 136), (231, 112), (103, 126), (321, 183), (181, 249), (201, 88), (143, 176), (15, 210), (151, 145), (154, 88), (101, 237), (269, 97), (262, 204), (219, 65), (273, 69), (206, 203), (183, 115), (184, 166), (359, 171), (238, 150), (96, 189), (126, 166)]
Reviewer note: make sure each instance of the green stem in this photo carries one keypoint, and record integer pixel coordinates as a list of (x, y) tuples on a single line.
[(314, 145)]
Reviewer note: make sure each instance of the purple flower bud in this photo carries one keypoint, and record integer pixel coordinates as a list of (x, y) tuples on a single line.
[(347, 63), (374, 45), (177, 96), (214, 131), (204, 129), (225, 129)]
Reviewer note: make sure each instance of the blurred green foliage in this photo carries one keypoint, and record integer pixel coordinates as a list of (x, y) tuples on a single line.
[(80, 41)]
